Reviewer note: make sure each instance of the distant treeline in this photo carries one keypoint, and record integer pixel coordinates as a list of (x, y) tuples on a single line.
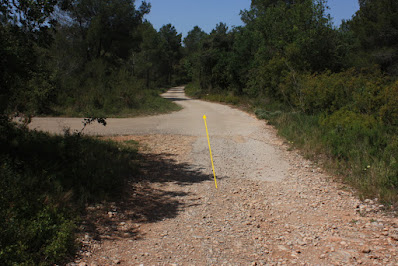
[(286, 43), (333, 88), (83, 57)]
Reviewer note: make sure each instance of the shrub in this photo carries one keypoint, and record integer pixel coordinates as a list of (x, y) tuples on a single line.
[(345, 131), (45, 182), (389, 110), (265, 80), (267, 115), (329, 92), (193, 90)]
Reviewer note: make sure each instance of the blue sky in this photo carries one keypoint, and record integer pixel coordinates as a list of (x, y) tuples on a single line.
[(185, 14)]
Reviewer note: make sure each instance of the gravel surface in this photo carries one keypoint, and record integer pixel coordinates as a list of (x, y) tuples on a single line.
[(272, 206), (222, 121)]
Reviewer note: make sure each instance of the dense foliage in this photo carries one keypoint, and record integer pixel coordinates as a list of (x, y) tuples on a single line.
[(84, 58), (330, 90), (45, 183)]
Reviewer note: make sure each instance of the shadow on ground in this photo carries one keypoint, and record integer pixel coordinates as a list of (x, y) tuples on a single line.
[(146, 199), (177, 99)]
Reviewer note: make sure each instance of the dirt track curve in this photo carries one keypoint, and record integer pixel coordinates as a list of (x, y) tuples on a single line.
[(272, 206)]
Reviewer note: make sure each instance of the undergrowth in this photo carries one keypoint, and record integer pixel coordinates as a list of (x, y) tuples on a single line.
[(216, 96), (135, 103), (45, 182)]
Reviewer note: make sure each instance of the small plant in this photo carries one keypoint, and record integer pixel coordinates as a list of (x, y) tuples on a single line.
[(90, 120), (267, 115), (131, 142)]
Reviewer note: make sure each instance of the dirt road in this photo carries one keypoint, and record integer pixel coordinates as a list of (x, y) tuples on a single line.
[(272, 206)]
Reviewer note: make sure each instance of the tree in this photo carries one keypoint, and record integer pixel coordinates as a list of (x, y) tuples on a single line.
[(214, 59), (290, 37), (25, 79), (171, 51), (194, 39), (376, 27), (96, 55), (29, 16), (241, 59), (193, 43), (108, 27), (146, 62)]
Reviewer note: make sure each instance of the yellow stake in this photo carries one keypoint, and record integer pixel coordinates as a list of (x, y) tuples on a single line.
[(211, 156)]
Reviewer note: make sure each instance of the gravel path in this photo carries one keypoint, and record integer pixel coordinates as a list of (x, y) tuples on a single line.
[(272, 207)]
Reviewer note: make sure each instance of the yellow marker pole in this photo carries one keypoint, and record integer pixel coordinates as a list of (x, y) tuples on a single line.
[(211, 156)]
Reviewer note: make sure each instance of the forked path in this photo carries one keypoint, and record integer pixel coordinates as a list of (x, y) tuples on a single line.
[(271, 206)]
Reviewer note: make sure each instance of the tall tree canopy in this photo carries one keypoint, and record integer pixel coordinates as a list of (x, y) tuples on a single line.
[(376, 27), (171, 50), (89, 56)]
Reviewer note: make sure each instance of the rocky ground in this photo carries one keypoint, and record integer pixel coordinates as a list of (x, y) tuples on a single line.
[(271, 207), (175, 216)]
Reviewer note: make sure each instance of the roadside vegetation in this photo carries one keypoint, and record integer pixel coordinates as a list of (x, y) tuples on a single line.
[(79, 58), (332, 92), (46, 182)]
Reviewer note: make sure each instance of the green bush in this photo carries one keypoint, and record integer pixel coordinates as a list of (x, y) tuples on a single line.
[(344, 120), (45, 182), (232, 99), (266, 80), (329, 92), (346, 131), (389, 110), (267, 115), (193, 90)]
